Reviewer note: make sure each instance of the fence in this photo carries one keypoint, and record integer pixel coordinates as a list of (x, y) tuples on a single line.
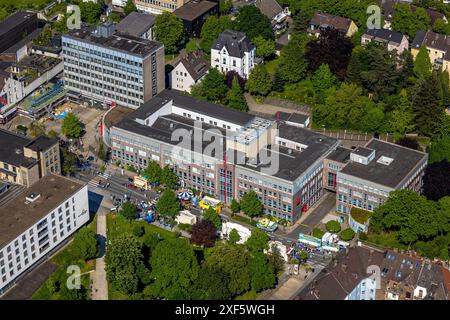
[(353, 135)]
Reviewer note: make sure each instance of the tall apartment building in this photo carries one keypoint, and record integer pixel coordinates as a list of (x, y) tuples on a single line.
[(245, 150), (24, 161), (365, 176), (233, 51), (112, 68), (153, 6), (36, 221)]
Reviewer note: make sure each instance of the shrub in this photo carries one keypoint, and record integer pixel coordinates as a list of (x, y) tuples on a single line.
[(185, 227), (333, 226), (347, 234), (360, 215), (138, 231), (318, 233), (363, 236)]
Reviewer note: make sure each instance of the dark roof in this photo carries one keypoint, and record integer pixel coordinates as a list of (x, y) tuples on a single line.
[(337, 281), (292, 117), (432, 14), (190, 103), (388, 8), (194, 9), (431, 39), (341, 155), (328, 20), (195, 64), (404, 161), (27, 39), (14, 20), (270, 8), (235, 42), (385, 34), (16, 216), (120, 42), (363, 151), (135, 24), (11, 149), (41, 143)]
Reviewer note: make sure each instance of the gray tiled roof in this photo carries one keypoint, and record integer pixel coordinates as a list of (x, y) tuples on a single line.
[(385, 34), (235, 42)]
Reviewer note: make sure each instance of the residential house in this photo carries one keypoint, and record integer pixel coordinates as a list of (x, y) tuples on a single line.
[(322, 20), (139, 25), (194, 13), (191, 69), (233, 51), (438, 47), (276, 14), (393, 40)]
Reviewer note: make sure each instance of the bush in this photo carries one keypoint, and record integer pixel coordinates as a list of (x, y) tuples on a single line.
[(347, 234), (318, 233), (363, 236), (333, 226), (138, 231), (185, 227)]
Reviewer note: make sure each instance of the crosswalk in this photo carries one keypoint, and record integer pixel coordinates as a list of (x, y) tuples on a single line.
[(93, 183), (104, 175)]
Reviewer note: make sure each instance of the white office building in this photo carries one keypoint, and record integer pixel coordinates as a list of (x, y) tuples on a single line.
[(36, 221)]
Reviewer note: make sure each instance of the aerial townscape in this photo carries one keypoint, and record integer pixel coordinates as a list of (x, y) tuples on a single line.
[(225, 150)]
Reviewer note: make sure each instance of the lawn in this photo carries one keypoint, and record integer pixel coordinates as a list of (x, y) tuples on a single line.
[(63, 259), (249, 295), (301, 93), (386, 240)]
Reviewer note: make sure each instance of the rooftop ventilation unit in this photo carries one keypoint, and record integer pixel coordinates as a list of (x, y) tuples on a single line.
[(32, 197)]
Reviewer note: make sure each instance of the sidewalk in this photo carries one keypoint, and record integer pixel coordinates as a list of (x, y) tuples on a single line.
[(98, 277)]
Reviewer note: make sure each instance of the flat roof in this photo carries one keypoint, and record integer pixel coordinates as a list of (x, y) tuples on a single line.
[(41, 143), (17, 216), (120, 42), (341, 154), (404, 161), (363, 151), (194, 9), (136, 23), (11, 149)]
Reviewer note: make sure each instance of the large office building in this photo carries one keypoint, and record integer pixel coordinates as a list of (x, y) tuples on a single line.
[(365, 176), (153, 6), (112, 68), (225, 152), (16, 27), (24, 161), (36, 221)]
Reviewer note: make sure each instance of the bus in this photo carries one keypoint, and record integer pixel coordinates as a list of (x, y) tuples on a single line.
[(141, 182)]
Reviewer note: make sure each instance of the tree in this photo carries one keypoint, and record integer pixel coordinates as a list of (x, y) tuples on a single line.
[(191, 46), (60, 25), (422, 63), (258, 241), (253, 23), (44, 38), (234, 237), (440, 26), (347, 234), (264, 47), (128, 211), (212, 87), (211, 284), (170, 31), (332, 48), (333, 226), (262, 272), (211, 29), (174, 269), (153, 172), (225, 6), (439, 150), (323, 79), (278, 81), (301, 22), (427, 105), (401, 118), (68, 160), (231, 75), (234, 261), (409, 22), (90, 12), (72, 294), (71, 126), (293, 63), (102, 152), (235, 207), (167, 204), (85, 245), (250, 204), (122, 260), (129, 7), (259, 81), (36, 129), (435, 180), (211, 215), (203, 233), (114, 17), (235, 97), (168, 177)]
